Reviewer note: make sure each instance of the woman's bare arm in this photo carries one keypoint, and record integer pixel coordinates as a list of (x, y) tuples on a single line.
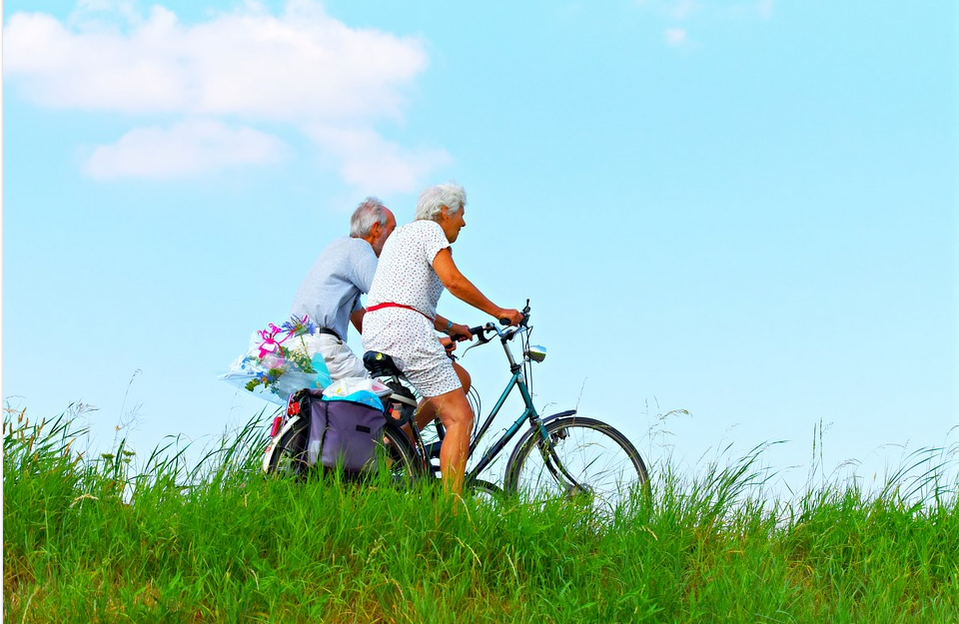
[(463, 289)]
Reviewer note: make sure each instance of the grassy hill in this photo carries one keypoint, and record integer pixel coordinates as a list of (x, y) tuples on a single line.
[(95, 540)]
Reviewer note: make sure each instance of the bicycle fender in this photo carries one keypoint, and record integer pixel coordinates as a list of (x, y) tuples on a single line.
[(559, 415), (268, 455), (510, 463)]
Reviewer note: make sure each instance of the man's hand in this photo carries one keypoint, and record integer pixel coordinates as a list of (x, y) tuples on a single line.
[(449, 345)]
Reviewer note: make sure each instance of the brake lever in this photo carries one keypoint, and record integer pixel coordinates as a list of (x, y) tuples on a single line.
[(480, 333), (467, 349)]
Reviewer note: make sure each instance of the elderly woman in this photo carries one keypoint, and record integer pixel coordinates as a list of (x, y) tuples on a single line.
[(401, 320)]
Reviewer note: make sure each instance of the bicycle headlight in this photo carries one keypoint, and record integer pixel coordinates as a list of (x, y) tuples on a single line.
[(536, 353)]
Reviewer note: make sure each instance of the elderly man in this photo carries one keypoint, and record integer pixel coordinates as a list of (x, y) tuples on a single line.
[(330, 293)]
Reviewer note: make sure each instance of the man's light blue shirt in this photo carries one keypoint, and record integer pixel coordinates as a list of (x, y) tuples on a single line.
[(331, 291)]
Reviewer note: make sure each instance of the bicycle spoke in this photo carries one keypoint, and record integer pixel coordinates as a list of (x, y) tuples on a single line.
[(584, 460)]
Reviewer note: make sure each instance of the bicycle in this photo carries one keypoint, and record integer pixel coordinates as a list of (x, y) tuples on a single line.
[(562, 454)]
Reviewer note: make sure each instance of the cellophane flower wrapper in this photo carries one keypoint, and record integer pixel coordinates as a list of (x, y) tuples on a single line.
[(277, 363)]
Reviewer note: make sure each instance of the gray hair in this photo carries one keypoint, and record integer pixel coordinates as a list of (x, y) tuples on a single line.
[(431, 201), (370, 212)]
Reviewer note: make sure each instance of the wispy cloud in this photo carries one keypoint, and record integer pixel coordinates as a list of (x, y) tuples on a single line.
[(682, 14), (193, 147), (765, 8), (368, 161), (686, 9), (301, 67), (676, 36), (683, 9)]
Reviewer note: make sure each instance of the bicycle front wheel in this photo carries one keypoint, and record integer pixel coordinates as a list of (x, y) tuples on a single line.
[(579, 458)]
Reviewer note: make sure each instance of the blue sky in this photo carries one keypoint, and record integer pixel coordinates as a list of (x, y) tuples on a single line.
[(746, 210)]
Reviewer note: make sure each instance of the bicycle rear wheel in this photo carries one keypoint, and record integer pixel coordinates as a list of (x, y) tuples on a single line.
[(393, 456), (289, 456), (581, 458)]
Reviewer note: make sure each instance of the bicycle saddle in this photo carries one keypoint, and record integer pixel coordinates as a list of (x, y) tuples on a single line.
[(380, 364)]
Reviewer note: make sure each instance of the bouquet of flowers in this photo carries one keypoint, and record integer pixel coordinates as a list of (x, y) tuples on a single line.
[(277, 364)]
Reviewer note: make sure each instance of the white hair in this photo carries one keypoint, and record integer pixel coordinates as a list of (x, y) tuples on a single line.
[(431, 201), (370, 212)]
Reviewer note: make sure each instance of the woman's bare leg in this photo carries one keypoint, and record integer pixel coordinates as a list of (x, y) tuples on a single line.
[(454, 411), (426, 412)]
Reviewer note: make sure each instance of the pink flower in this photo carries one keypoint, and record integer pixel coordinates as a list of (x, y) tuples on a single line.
[(270, 344)]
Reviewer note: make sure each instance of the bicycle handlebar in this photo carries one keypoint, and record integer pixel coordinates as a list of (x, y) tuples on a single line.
[(480, 330)]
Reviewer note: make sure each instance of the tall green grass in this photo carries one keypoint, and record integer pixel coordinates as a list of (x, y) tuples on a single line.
[(108, 539)]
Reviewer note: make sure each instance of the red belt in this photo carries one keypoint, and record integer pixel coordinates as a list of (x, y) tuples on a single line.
[(390, 304)]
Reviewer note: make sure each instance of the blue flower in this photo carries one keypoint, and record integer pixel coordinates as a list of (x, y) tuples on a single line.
[(299, 326)]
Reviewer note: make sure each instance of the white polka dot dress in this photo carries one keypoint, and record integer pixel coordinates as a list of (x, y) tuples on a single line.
[(405, 276)]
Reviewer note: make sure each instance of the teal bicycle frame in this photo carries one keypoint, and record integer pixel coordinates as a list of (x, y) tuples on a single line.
[(529, 414)]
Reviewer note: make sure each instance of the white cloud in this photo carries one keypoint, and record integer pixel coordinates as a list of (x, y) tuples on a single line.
[(688, 12), (683, 9), (676, 36), (686, 9), (762, 9), (194, 147), (95, 71), (765, 8), (367, 161), (301, 67), (673, 9)]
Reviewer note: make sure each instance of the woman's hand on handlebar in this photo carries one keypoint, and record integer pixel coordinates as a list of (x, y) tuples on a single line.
[(460, 332), (509, 316)]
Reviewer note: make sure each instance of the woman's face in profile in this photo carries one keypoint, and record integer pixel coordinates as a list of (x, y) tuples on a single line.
[(452, 223)]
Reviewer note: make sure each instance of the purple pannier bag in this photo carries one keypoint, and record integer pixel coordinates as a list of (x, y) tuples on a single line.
[(343, 432)]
